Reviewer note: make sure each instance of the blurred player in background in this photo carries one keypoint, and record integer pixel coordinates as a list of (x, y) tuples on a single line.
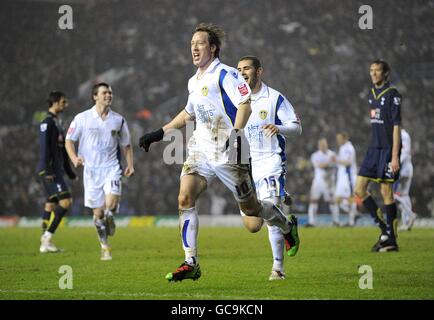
[(323, 181), (53, 164), (346, 178), (272, 120), (402, 186), (219, 102), (101, 134), (381, 163)]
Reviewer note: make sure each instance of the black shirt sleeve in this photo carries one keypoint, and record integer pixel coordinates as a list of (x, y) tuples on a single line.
[(396, 107), (46, 129)]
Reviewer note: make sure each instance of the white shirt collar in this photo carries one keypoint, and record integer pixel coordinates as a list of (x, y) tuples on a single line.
[(262, 93), (95, 113), (210, 68)]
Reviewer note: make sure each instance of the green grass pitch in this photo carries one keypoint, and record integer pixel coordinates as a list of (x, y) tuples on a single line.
[(235, 265)]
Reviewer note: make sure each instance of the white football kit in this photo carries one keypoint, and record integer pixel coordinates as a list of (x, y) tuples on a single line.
[(402, 186), (213, 101), (346, 175), (323, 181), (99, 145), (406, 171), (268, 153)]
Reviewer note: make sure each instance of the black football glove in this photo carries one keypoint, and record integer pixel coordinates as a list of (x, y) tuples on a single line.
[(148, 138)]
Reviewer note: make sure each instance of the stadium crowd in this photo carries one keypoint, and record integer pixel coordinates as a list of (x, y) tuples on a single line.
[(313, 52)]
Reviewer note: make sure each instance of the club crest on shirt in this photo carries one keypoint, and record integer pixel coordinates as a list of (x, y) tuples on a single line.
[(115, 133), (43, 127), (205, 91), (263, 114)]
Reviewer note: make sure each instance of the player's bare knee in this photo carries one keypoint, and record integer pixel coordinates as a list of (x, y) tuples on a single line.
[(360, 192), (65, 203), (253, 224), (98, 213), (49, 206), (111, 206), (185, 201)]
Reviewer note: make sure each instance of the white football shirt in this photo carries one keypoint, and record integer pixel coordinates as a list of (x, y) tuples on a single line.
[(268, 107), (406, 164), (347, 153), (213, 100), (321, 158), (99, 140)]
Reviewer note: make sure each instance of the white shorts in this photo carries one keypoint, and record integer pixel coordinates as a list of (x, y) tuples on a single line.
[(99, 182), (269, 177), (270, 187), (402, 186), (345, 186), (321, 188), (237, 178), (406, 170)]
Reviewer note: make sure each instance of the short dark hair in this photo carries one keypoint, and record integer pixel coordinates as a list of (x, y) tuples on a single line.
[(384, 65), (96, 87), (256, 62), (55, 96), (344, 134), (215, 35)]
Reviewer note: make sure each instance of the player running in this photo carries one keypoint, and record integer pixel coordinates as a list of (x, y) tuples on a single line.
[(381, 163), (402, 186), (53, 164), (101, 134), (346, 178), (219, 102), (272, 120), (323, 181)]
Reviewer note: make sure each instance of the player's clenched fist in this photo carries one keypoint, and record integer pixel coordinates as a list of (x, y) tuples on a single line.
[(150, 137), (129, 171), (78, 161)]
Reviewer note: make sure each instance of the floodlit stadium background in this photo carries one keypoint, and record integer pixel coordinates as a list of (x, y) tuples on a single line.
[(312, 51)]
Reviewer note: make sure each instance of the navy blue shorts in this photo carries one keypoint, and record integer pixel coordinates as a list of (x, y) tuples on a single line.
[(377, 165), (56, 189)]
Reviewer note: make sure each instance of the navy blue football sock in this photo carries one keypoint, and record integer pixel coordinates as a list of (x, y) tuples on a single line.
[(59, 212), (391, 215), (46, 215), (45, 219), (376, 213)]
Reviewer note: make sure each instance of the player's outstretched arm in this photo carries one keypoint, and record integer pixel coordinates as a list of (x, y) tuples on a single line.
[(177, 123)]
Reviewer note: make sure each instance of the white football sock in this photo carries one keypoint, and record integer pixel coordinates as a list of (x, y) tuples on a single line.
[(404, 203), (353, 214), (48, 234), (101, 230), (312, 211), (189, 228), (334, 208), (407, 207), (276, 239)]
